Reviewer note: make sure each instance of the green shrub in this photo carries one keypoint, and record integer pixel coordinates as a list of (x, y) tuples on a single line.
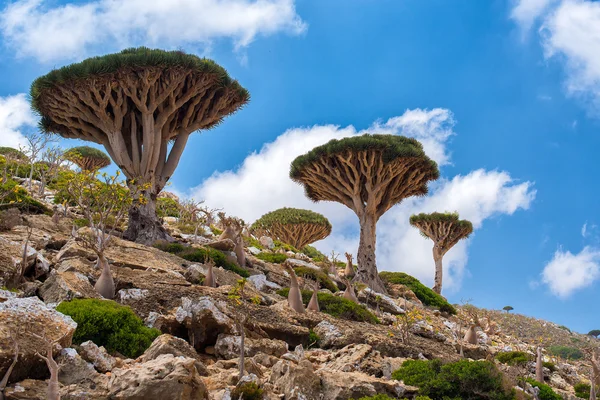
[(422, 398), (276, 258), (167, 207), (549, 365), (313, 339), (215, 231), (513, 357), (569, 353), (423, 293), (287, 247), (317, 275), (582, 390), (252, 242), (16, 196), (109, 324), (463, 379), (313, 253), (247, 391), (377, 397), (546, 392), (337, 306), (201, 255)]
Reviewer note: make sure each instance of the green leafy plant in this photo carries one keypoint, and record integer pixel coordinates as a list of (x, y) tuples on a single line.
[(313, 253), (582, 390), (467, 380), (423, 293), (513, 357), (167, 207), (109, 324), (276, 258), (566, 352), (337, 306), (550, 366), (313, 339), (247, 391), (316, 275), (546, 392)]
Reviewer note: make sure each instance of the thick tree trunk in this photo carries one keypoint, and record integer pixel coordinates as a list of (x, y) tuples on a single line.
[(539, 366), (144, 226), (367, 268), (105, 285), (437, 257)]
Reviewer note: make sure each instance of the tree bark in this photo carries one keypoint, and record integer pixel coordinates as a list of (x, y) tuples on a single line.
[(539, 367), (144, 226), (367, 267), (437, 257), (105, 285)]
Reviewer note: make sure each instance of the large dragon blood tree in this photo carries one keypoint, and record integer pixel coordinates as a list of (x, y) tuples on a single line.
[(293, 226), (368, 174), (141, 105), (445, 230), (87, 158)]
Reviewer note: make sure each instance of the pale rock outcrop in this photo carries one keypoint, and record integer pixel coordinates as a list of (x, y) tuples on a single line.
[(74, 370), (267, 242), (228, 347), (11, 259), (353, 385), (296, 380), (222, 244), (328, 334), (66, 286), (384, 302), (204, 320), (300, 263), (168, 344), (98, 356), (261, 283), (166, 377), (21, 316)]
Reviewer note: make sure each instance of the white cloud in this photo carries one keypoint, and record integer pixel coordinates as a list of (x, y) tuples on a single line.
[(71, 31), (15, 114), (568, 272), (261, 184), (584, 229), (569, 32)]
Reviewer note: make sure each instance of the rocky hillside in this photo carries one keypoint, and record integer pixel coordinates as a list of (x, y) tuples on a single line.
[(193, 336)]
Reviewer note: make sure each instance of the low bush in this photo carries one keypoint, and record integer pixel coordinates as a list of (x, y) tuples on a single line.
[(313, 339), (582, 390), (568, 353), (287, 247), (423, 293), (247, 391), (252, 242), (513, 357), (275, 258), (317, 275), (167, 207), (550, 366), (337, 306), (377, 397), (109, 324), (546, 392), (467, 380), (313, 253), (15, 196), (201, 255)]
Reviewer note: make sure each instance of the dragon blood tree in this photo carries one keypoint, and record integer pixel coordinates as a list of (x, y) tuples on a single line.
[(293, 226), (368, 174), (87, 158), (141, 105), (445, 229)]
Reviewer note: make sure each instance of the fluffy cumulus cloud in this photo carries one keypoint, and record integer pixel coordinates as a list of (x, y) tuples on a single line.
[(569, 31), (476, 196), (567, 272), (50, 31), (15, 116)]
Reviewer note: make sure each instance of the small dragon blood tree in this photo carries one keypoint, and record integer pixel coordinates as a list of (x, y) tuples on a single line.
[(368, 174), (142, 105), (87, 158), (445, 229), (293, 226)]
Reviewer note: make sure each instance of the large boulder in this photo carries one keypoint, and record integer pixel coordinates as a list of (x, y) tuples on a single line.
[(98, 356), (228, 347), (168, 344), (222, 244), (11, 259), (296, 380), (74, 370), (165, 377), (65, 286), (353, 385), (379, 300), (21, 318)]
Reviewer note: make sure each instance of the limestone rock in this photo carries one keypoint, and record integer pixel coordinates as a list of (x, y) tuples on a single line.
[(11, 258), (296, 381), (73, 369), (253, 250), (299, 263), (261, 283), (328, 334), (228, 347), (222, 244), (195, 274), (168, 344), (23, 316), (353, 385), (165, 377), (98, 356), (65, 286), (267, 242), (384, 302), (29, 389)]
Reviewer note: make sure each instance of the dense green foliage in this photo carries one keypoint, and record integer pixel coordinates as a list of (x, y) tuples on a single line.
[(250, 241), (109, 324), (317, 275), (167, 207), (582, 390), (141, 57), (446, 217), (285, 246), (508, 308), (201, 255), (513, 357), (313, 339), (291, 225), (290, 216), (550, 365), (247, 391), (594, 332), (423, 293), (466, 380), (391, 146), (336, 306), (313, 253), (14, 195), (568, 353), (276, 258), (76, 153), (546, 392), (13, 153)]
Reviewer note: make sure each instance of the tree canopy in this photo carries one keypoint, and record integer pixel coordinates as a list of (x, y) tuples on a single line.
[(294, 226), (446, 229), (377, 169), (87, 158)]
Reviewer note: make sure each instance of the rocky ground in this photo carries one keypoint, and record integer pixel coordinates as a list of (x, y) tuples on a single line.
[(197, 356)]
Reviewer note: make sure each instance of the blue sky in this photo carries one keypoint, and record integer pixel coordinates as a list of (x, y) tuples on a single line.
[(504, 94)]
